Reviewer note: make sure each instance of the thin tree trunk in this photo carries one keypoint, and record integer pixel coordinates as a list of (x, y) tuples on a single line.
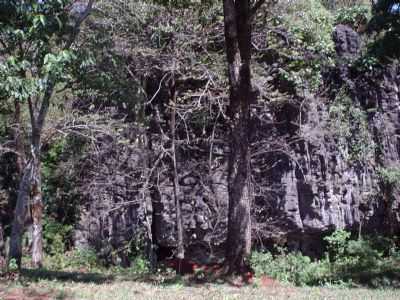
[(20, 214), (180, 251), (36, 210), (18, 138), (29, 194), (2, 248), (237, 19)]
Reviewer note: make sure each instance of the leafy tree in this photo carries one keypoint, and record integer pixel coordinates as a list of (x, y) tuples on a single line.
[(36, 49), (386, 20), (238, 15)]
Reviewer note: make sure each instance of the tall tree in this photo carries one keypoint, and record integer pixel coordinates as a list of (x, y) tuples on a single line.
[(386, 20), (36, 39), (237, 20)]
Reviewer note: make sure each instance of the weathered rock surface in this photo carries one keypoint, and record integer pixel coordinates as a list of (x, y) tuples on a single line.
[(307, 181)]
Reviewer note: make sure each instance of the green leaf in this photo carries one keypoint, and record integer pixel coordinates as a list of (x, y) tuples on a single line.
[(60, 25), (42, 19)]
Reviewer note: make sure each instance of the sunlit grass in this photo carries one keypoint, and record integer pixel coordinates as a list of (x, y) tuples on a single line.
[(74, 285)]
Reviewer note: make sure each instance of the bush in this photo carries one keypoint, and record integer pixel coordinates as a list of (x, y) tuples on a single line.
[(84, 258), (312, 24), (337, 243), (55, 236), (339, 4), (290, 267), (372, 262), (76, 259), (309, 27), (355, 16)]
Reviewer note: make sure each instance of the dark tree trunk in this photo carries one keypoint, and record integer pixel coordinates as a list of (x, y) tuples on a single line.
[(18, 224), (237, 18), (2, 248), (180, 250)]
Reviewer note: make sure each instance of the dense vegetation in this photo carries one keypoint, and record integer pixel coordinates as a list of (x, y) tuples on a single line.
[(121, 114)]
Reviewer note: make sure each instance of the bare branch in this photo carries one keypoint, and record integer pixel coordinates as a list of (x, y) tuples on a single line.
[(79, 22), (256, 6)]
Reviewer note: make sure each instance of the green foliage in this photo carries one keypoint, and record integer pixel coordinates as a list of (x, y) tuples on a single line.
[(362, 261), (366, 63), (310, 26), (354, 16), (389, 176), (140, 265), (55, 236), (33, 36), (101, 71), (76, 259), (12, 265), (350, 127), (351, 256), (290, 267), (337, 243), (339, 4), (82, 258), (60, 193)]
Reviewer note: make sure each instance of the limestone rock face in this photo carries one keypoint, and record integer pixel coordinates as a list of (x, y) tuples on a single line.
[(347, 41), (309, 179)]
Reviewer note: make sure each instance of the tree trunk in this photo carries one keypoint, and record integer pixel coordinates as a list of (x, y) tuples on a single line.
[(29, 194), (238, 48), (36, 211), (18, 138), (180, 251), (2, 248), (20, 214)]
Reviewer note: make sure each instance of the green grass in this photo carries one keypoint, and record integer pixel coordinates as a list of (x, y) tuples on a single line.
[(43, 285)]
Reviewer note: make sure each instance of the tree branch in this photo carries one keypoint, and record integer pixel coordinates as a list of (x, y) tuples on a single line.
[(79, 22), (256, 6)]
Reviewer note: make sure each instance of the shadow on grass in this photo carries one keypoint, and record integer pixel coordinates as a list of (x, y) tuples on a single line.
[(191, 280), (386, 278), (78, 277)]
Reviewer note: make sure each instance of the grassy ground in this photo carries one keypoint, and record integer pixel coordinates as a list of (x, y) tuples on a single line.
[(48, 285)]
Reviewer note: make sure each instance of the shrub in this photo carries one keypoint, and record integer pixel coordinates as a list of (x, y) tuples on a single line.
[(312, 24), (389, 176), (349, 261), (309, 28), (85, 258), (356, 16), (290, 267), (349, 124), (55, 236), (76, 259), (338, 4), (362, 260), (337, 243)]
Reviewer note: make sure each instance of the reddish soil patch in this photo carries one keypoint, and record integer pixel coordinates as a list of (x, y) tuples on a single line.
[(268, 282)]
